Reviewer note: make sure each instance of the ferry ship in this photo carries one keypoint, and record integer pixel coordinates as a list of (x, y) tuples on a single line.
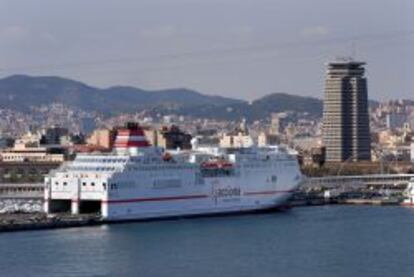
[(409, 194), (138, 181)]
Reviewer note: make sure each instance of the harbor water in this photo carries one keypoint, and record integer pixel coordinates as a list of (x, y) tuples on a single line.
[(306, 241)]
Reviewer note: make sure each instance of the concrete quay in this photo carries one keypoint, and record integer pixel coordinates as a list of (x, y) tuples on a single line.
[(373, 201), (374, 189), (301, 198)]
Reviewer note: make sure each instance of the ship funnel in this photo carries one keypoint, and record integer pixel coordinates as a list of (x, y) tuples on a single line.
[(130, 139)]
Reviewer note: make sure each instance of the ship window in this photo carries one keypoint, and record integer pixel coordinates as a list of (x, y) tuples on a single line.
[(92, 184), (274, 179), (84, 184), (104, 186), (64, 183)]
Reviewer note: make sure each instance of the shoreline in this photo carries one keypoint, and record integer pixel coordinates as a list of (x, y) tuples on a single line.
[(18, 222)]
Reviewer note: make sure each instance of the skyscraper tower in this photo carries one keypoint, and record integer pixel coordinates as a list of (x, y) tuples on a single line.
[(346, 133)]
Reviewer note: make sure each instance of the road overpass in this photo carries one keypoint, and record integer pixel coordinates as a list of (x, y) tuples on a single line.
[(22, 191)]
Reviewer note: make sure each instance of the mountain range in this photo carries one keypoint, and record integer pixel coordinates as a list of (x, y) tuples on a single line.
[(21, 92)]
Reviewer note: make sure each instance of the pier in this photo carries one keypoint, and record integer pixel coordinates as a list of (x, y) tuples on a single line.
[(357, 181)]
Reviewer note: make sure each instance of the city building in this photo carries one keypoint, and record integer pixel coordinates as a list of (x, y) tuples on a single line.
[(102, 138), (24, 153), (412, 152), (278, 123), (6, 142), (266, 139), (318, 155), (55, 136), (305, 143), (168, 137), (173, 138), (395, 120), (28, 139), (346, 132), (238, 138)]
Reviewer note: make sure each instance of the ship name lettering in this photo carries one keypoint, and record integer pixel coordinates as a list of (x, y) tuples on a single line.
[(226, 192)]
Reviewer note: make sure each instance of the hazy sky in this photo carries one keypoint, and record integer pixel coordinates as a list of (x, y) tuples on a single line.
[(237, 48)]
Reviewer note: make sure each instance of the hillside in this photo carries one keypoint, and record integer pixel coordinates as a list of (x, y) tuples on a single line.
[(21, 92)]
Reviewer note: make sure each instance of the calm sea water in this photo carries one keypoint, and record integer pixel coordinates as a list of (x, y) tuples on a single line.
[(311, 241)]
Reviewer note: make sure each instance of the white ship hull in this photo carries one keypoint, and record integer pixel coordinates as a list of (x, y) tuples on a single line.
[(136, 198), (277, 204), (201, 203)]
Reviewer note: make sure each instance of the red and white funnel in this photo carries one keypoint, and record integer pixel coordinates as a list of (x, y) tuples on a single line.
[(129, 139)]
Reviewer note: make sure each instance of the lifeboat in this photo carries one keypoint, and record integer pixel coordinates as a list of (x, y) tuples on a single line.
[(216, 164)]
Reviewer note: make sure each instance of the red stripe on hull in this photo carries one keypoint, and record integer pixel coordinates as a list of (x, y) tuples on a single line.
[(154, 199), (267, 192), (185, 197)]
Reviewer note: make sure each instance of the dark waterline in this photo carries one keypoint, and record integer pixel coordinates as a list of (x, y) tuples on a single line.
[(310, 241)]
